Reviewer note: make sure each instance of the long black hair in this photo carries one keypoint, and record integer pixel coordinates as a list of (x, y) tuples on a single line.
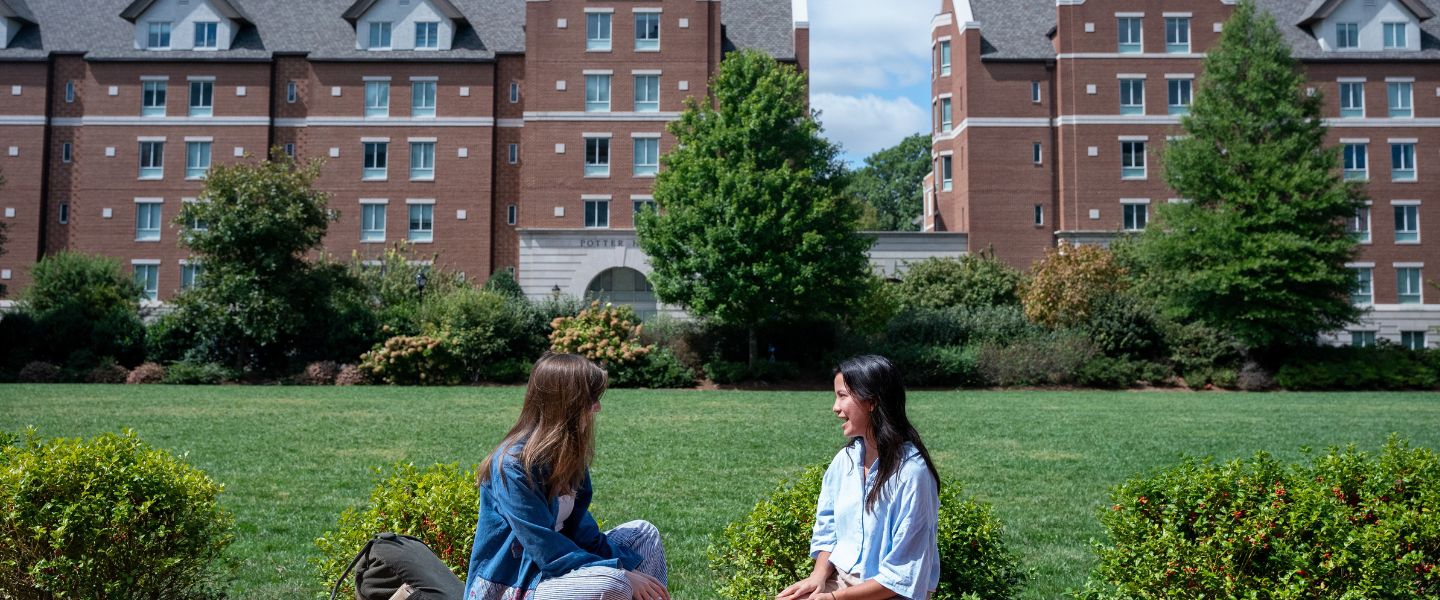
[(876, 380)]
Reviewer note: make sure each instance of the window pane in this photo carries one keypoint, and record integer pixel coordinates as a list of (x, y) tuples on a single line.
[(1132, 96), (152, 100), (422, 99), (1129, 34), (647, 93), (427, 35), (152, 160), (372, 222), (597, 31), (1356, 162), (647, 156), (597, 93), (1352, 99), (205, 35), (1400, 99), (377, 98), (376, 160), (1364, 287), (422, 160), (597, 157), (380, 35), (647, 31), (202, 98), (422, 222), (197, 159)]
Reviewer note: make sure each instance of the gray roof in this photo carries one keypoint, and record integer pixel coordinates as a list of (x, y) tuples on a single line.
[(1020, 30), (16, 9), (319, 28)]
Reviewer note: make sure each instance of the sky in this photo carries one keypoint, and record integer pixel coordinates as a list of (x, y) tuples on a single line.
[(870, 71)]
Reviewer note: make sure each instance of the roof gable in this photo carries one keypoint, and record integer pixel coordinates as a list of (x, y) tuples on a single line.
[(1319, 10), (16, 9), (360, 7), (224, 7)]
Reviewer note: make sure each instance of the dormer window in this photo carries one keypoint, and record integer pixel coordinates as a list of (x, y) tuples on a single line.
[(380, 35), (1347, 36), (1395, 36), (206, 35), (12, 20), (159, 36), (427, 36)]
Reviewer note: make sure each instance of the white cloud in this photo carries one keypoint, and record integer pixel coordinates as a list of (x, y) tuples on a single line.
[(869, 45), (864, 124)]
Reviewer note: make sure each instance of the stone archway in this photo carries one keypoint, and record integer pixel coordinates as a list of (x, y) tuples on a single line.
[(623, 285)]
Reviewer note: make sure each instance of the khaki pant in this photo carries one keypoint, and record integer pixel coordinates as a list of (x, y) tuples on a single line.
[(841, 580)]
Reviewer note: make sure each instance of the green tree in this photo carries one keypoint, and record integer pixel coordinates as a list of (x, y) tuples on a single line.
[(87, 309), (973, 280), (1260, 248), (261, 301), (892, 183), (754, 225)]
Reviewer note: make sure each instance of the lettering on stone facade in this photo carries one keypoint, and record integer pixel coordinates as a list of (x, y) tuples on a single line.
[(602, 243)]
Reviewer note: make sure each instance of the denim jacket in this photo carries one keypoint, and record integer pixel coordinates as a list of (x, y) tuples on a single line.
[(516, 545)]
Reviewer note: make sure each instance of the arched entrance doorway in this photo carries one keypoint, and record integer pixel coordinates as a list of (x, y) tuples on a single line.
[(623, 285)]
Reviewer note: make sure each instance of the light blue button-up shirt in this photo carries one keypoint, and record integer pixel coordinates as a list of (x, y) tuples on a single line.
[(894, 544)]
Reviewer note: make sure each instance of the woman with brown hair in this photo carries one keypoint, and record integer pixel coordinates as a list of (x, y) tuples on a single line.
[(535, 538)]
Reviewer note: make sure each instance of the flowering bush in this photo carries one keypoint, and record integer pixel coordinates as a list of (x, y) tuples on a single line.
[(146, 373), (351, 375), (319, 373), (412, 360), (1346, 525), (108, 372), (605, 334), (436, 504)]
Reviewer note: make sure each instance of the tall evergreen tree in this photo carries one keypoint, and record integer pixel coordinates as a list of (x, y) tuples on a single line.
[(754, 226), (1260, 247), (892, 183)]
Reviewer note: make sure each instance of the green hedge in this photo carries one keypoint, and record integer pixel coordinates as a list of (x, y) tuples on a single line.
[(768, 549), (1346, 524), (107, 518)]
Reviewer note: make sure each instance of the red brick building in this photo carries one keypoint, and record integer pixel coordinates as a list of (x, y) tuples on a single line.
[(1048, 117), (474, 129)]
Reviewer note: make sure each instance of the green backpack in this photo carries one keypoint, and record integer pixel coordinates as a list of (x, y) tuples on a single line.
[(400, 567)]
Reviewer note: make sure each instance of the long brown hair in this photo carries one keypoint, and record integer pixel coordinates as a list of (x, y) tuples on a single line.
[(557, 424)]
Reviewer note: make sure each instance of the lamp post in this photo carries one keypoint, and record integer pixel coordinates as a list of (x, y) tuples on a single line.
[(420, 283), (555, 290)]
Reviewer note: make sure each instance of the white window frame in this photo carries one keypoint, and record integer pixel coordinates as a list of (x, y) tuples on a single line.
[(511, 214), (595, 145), (1133, 84), (597, 212), (292, 92), (64, 215), (947, 114), (514, 92), (197, 158), (380, 35), (67, 152), (147, 274), (647, 92), (1353, 224), (210, 41), (1176, 45), (646, 163), (646, 43), (425, 210), (70, 91), (157, 35), (1362, 339), (1355, 160), (1363, 292), (372, 213), (599, 31), (377, 98), (430, 37), (1407, 221), (1133, 219), (1400, 99), (1036, 95), (946, 54), (1037, 153), (192, 273), (422, 160), (1138, 169), (154, 94), (597, 92), (422, 98), (1403, 284), (149, 219), (947, 172), (1413, 340), (1179, 86), (1402, 161), (1352, 105), (513, 154), (1396, 36), (204, 91), (1125, 43), (152, 159), (375, 164), (1347, 36)]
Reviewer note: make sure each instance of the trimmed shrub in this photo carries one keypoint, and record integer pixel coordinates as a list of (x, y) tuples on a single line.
[(39, 372), (937, 365), (407, 360), (1383, 367), (971, 281), (107, 372), (727, 372), (146, 373), (86, 304), (503, 283), (608, 334), (319, 373), (196, 373), (107, 518), (1119, 373), (1122, 325), (351, 375), (1052, 358), (436, 504), (1254, 378), (1345, 524), (768, 549), (658, 369), (1204, 355)]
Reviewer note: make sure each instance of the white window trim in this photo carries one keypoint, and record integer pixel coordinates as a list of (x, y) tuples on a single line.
[(424, 78), (374, 201), (1404, 203), (645, 135), (419, 201), (370, 78), (422, 140)]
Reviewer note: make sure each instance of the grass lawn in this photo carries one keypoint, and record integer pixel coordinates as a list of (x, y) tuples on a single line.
[(293, 458)]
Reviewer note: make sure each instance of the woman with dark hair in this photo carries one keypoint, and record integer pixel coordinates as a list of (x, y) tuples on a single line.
[(874, 534), (535, 538)]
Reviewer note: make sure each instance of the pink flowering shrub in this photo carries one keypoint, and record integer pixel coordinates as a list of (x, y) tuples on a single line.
[(608, 334)]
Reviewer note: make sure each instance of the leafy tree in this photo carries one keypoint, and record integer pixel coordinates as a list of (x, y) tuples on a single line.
[(754, 226), (892, 183), (87, 309), (969, 281), (261, 302), (1065, 286), (1260, 250)]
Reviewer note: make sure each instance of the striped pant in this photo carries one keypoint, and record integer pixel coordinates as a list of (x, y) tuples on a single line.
[(605, 583)]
